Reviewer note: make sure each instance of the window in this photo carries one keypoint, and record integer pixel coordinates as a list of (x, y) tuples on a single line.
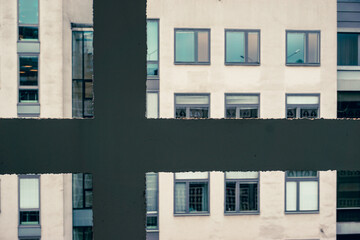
[(82, 233), (301, 191), (192, 46), (242, 47), (348, 196), (152, 104), (28, 20), (152, 48), (348, 49), (29, 200), (302, 105), (191, 193), (192, 105), (348, 104), (242, 105), (152, 201), (241, 192), (82, 190), (82, 74), (303, 47)]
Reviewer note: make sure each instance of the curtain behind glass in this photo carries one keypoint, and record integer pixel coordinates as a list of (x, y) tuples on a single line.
[(29, 193), (308, 195), (151, 192), (291, 196), (347, 49), (180, 197), (78, 191)]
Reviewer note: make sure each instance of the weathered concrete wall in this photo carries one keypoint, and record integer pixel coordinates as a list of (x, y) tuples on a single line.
[(272, 79), (271, 223)]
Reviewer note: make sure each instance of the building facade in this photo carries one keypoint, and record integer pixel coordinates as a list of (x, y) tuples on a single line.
[(47, 206), (46, 68)]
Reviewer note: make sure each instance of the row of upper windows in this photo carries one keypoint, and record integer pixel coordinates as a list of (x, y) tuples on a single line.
[(242, 193)]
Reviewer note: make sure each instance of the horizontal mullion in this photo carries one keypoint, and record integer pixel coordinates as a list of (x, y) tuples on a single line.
[(190, 180), (242, 105), (243, 180), (24, 87), (29, 209)]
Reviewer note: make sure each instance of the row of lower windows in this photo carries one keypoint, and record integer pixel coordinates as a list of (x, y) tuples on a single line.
[(191, 194)]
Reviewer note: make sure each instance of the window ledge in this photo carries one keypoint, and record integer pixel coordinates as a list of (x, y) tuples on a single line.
[(191, 63), (152, 230), (240, 213), (303, 212), (348, 68), (241, 64), (190, 214), (303, 64)]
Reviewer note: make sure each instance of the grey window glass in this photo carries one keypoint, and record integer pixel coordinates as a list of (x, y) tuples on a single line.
[(348, 189), (253, 47), (88, 181), (88, 55), (231, 112), (185, 46), (313, 48), (89, 90), (78, 193), (203, 46), (180, 197), (348, 104), (180, 112), (152, 40), (28, 33), (301, 173), (82, 233), (248, 196), (242, 105), (28, 12), (151, 222), (88, 199), (295, 47), (199, 112), (347, 49), (88, 108), (28, 96), (77, 55), (198, 197), (235, 46), (77, 101), (28, 70), (230, 197), (151, 192)]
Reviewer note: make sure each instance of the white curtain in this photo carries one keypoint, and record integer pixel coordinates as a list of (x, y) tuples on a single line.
[(302, 99), (290, 196), (308, 195), (29, 193), (242, 99), (241, 175), (192, 99), (191, 175), (152, 105), (180, 197)]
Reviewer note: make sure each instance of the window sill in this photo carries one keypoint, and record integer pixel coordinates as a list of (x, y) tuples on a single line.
[(241, 64), (303, 64), (303, 212), (152, 230), (348, 68), (191, 63), (241, 213), (191, 214)]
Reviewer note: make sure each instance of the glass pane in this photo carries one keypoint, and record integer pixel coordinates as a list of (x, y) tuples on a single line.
[(78, 234), (88, 55), (347, 45), (308, 113), (151, 192), (302, 99), (308, 195), (301, 173), (29, 217), (242, 99), (29, 193), (151, 222), (242, 175), (152, 69), (78, 197), (198, 197), (253, 47), (77, 99), (248, 197), (152, 105), (77, 55), (88, 89), (191, 175), (191, 99), (348, 105), (88, 233), (203, 46), (235, 47), (180, 197), (88, 108), (348, 215), (88, 199), (28, 70), (313, 48), (295, 48), (88, 181), (180, 112), (28, 96), (230, 197), (248, 113), (291, 113), (28, 33), (348, 189), (231, 112), (290, 196), (28, 11), (152, 40), (199, 112), (185, 46)]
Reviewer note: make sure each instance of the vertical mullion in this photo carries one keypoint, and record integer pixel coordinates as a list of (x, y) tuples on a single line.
[(187, 189), (297, 196), (237, 196), (237, 112), (83, 188), (196, 46), (83, 74), (246, 46), (187, 111), (307, 47)]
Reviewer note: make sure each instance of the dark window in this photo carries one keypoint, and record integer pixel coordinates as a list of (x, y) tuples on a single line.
[(242, 47), (82, 191), (302, 105), (151, 201), (348, 104), (82, 233), (242, 105), (29, 217), (302, 191), (241, 192), (82, 72), (348, 196), (192, 105), (348, 49), (303, 47), (192, 46), (28, 79)]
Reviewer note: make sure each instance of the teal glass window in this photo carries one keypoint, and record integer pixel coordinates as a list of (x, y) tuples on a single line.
[(152, 55), (303, 47), (28, 12), (242, 47)]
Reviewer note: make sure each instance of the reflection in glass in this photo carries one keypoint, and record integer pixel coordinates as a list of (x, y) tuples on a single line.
[(28, 12), (295, 47), (248, 196), (180, 112), (230, 196), (28, 96), (152, 40), (180, 197), (88, 55), (348, 49), (29, 217), (153, 69), (203, 46), (28, 33), (235, 46), (198, 197), (291, 113), (78, 197), (348, 105), (151, 222), (88, 199), (77, 100), (308, 113), (185, 46), (28, 70), (199, 112), (249, 113), (231, 112)]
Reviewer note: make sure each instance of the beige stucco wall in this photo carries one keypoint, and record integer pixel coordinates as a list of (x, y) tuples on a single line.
[(271, 223), (55, 88), (272, 79)]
